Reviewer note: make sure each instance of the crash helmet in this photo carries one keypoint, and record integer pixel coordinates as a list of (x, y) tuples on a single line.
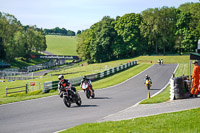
[(147, 76), (60, 77), (84, 77)]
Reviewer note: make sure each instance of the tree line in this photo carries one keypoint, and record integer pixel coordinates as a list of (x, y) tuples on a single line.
[(17, 40), (59, 31), (165, 30)]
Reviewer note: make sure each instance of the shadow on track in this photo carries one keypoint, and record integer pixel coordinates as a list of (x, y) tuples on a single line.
[(154, 89), (101, 98), (83, 106)]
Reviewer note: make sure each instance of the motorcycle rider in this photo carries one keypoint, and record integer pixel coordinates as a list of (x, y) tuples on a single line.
[(148, 79), (63, 83), (85, 79)]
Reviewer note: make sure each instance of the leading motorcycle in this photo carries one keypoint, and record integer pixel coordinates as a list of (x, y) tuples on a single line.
[(70, 97)]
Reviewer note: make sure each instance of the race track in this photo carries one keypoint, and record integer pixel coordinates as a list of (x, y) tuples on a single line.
[(47, 115)]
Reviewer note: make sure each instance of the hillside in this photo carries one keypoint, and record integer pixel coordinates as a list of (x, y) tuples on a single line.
[(61, 45)]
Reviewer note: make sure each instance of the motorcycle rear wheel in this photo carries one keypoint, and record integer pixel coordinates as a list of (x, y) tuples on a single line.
[(93, 95)]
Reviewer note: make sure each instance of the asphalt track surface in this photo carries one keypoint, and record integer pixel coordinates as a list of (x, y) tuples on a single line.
[(47, 115)]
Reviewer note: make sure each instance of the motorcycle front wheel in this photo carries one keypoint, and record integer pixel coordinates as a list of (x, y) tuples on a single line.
[(87, 93), (67, 101), (148, 86)]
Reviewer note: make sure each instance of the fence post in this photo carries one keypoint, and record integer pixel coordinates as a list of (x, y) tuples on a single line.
[(6, 91), (26, 88)]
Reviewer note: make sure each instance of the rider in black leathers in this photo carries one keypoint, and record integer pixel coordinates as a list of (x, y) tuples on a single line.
[(63, 83)]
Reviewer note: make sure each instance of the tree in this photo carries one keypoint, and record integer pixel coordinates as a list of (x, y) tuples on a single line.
[(127, 27), (167, 26), (150, 29), (78, 32)]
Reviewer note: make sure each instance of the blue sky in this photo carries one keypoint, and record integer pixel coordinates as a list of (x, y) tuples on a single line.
[(77, 14)]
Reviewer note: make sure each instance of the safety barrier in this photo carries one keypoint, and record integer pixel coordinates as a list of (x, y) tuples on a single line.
[(47, 86), (26, 89), (179, 87)]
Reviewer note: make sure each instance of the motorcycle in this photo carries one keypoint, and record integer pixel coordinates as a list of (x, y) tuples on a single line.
[(148, 84), (69, 97), (86, 88)]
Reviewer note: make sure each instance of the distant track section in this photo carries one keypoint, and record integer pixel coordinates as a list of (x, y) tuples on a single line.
[(66, 57)]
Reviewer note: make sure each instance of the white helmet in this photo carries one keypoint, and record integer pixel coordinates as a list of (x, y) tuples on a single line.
[(60, 77)]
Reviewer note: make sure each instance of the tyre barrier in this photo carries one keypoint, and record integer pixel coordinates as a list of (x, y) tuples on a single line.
[(179, 88)]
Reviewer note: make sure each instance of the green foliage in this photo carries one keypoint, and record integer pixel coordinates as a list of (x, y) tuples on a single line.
[(127, 27), (95, 44), (58, 31), (17, 40), (155, 31)]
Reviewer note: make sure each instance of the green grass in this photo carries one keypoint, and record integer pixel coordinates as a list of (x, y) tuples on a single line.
[(61, 45), (166, 59), (162, 97), (178, 122)]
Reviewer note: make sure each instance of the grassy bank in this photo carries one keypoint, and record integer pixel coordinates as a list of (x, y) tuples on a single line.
[(61, 45), (178, 122)]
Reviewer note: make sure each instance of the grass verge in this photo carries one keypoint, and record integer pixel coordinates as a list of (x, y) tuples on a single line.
[(178, 122)]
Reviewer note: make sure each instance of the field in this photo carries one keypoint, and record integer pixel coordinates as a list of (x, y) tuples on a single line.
[(61, 45)]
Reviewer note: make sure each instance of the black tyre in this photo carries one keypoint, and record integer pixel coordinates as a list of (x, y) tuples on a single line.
[(178, 80), (78, 102), (87, 93), (148, 86), (179, 96), (178, 91), (178, 86), (93, 95), (67, 101)]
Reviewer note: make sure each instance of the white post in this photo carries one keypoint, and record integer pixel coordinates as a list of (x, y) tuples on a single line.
[(172, 89)]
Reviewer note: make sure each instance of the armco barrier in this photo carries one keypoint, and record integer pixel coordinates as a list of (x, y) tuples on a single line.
[(75, 81)]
